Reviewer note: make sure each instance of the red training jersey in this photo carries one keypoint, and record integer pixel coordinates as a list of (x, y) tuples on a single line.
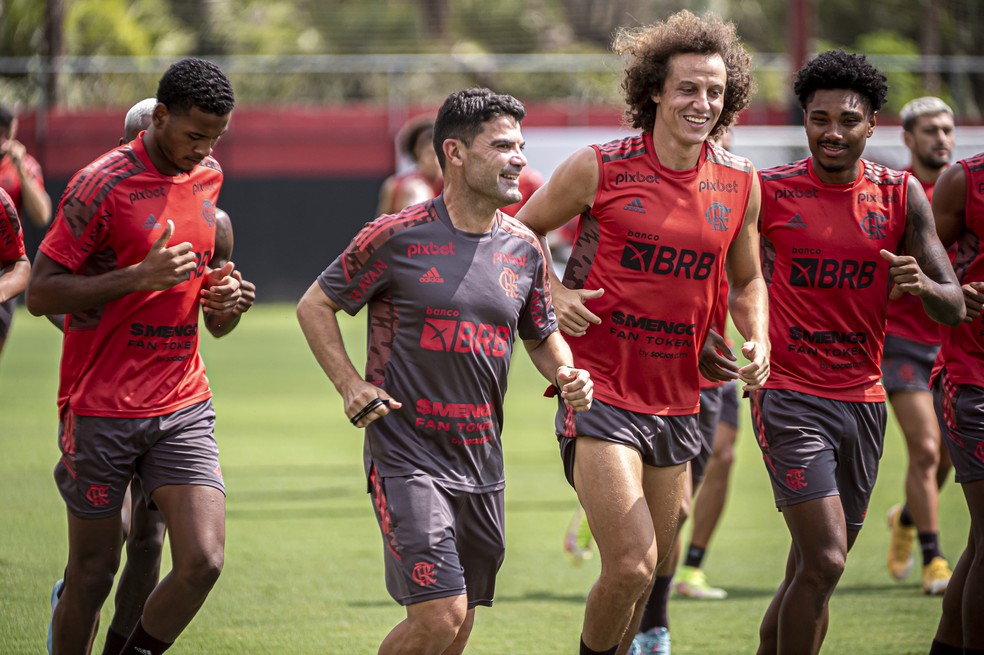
[(10, 180), (136, 356), (828, 285), (400, 180), (963, 346), (11, 234), (719, 323), (655, 239)]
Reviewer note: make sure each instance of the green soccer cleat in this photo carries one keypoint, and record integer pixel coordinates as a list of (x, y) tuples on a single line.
[(692, 583), (578, 539)]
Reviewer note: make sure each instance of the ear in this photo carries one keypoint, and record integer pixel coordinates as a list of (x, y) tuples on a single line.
[(453, 152), (907, 139), (872, 122), (159, 118)]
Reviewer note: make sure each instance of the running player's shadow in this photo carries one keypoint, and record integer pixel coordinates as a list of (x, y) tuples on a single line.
[(734, 593)]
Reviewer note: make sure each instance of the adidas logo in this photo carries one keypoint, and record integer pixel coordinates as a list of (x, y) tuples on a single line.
[(636, 206), (151, 223), (796, 221), (432, 276)]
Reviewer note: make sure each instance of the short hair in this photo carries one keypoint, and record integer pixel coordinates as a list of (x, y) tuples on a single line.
[(6, 117), (836, 69), (138, 118), (650, 49), (465, 112), (198, 83), (412, 132), (925, 106)]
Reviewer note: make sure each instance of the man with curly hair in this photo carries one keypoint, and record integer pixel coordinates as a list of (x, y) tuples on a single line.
[(663, 216), (133, 397), (837, 231)]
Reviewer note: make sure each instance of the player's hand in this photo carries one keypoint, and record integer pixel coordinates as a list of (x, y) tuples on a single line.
[(974, 299), (16, 151), (221, 291), (756, 372), (716, 362), (248, 296), (573, 317), (165, 266), (576, 387), (364, 403), (906, 274)]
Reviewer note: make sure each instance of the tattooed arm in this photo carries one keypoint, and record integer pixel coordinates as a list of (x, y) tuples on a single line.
[(925, 270)]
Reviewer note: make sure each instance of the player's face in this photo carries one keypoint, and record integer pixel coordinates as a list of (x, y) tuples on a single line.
[(838, 124), (692, 98), (185, 139), (494, 160), (931, 140)]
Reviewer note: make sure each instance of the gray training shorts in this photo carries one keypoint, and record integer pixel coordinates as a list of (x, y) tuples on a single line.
[(906, 364), (100, 455), (438, 541), (661, 440), (960, 409), (816, 447), (717, 405)]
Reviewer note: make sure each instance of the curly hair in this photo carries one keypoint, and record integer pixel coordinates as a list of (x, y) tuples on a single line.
[(464, 112), (413, 132), (836, 69), (651, 48), (198, 83)]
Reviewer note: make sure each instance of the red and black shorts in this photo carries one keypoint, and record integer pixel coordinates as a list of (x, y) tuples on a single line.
[(960, 409), (906, 364)]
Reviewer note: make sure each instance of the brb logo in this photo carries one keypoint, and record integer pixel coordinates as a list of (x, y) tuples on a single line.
[(423, 574), (98, 494), (666, 260), (452, 335), (717, 216), (831, 273), (874, 225)]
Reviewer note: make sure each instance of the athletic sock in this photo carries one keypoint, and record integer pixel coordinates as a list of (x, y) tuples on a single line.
[(929, 542), (587, 651), (939, 648), (147, 645), (905, 518), (115, 642), (656, 614), (695, 556)]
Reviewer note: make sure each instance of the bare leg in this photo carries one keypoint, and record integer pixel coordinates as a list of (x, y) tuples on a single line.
[(433, 627), (973, 591), (709, 505), (195, 517), (917, 418)]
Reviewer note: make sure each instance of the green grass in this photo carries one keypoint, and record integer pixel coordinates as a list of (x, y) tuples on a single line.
[(304, 568)]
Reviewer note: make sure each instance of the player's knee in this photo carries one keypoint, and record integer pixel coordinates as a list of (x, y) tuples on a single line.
[(824, 569), (924, 454), (93, 582), (724, 457), (442, 623), (202, 570)]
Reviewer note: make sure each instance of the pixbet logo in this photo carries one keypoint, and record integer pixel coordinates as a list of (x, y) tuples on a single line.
[(147, 194), (430, 248), (718, 186), (783, 194), (640, 177)]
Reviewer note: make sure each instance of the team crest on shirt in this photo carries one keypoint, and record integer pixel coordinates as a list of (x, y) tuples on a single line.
[(509, 281), (208, 212), (717, 216), (874, 225)]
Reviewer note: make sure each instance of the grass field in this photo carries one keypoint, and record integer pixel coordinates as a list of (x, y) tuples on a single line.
[(303, 569)]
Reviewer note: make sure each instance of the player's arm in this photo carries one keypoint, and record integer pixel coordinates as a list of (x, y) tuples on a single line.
[(35, 200), (221, 324), (551, 356), (949, 211), (925, 270), (316, 313), (569, 192), (54, 289), (13, 277), (748, 297)]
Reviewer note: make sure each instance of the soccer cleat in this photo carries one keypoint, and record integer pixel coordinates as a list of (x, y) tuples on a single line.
[(578, 539), (900, 557), (936, 576), (655, 641), (692, 583), (55, 595)]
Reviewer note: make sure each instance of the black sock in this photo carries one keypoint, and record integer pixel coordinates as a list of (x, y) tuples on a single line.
[(147, 644), (695, 556), (939, 648), (929, 542), (972, 651), (905, 518), (115, 642), (656, 614), (587, 651)]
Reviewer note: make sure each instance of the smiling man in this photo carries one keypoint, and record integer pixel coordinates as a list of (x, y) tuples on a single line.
[(837, 232), (664, 214)]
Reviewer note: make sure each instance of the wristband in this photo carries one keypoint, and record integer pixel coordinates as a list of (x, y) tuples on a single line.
[(370, 406)]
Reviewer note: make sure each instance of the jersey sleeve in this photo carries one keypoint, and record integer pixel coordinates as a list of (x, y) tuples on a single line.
[(359, 273), (11, 234), (80, 227), (537, 320)]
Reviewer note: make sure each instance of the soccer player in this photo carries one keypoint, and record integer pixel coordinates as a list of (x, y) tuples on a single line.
[(911, 343), (420, 183), (14, 265), (448, 282), (20, 174), (133, 396), (663, 215), (958, 387), (837, 232)]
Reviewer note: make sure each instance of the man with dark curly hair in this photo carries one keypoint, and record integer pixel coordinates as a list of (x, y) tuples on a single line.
[(663, 216), (837, 231), (133, 397)]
